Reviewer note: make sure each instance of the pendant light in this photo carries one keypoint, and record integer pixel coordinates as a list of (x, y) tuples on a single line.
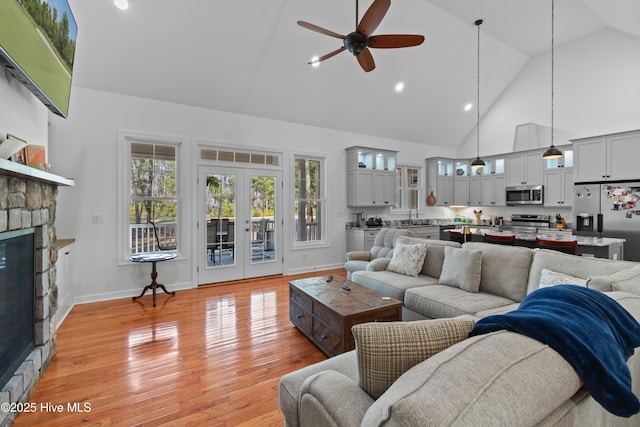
[(478, 162), (552, 152)]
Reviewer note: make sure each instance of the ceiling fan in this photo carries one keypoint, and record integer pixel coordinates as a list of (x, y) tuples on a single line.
[(359, 41)]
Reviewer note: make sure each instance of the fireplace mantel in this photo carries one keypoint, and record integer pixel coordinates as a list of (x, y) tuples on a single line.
[(17, 170)]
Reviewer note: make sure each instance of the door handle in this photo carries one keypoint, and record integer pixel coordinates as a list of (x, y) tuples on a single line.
[(246, 229)]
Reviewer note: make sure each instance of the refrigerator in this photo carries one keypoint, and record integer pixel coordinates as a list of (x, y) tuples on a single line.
[(609, 209)]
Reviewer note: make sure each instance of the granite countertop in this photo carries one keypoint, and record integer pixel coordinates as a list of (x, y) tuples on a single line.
[(564, 236)]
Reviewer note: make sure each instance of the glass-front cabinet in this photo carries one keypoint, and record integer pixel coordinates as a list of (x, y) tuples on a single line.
[(371, 177), (363, 159)]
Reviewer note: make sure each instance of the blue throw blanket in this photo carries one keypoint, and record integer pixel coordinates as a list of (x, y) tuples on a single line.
[(594, 333)]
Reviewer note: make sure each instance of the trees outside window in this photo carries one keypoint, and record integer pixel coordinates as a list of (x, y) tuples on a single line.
[(153, 196), (308, 195)]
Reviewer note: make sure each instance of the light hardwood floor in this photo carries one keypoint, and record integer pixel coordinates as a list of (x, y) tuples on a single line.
[(208, 356)]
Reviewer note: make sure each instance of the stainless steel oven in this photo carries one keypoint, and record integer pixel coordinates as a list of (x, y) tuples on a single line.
[(525, 195)]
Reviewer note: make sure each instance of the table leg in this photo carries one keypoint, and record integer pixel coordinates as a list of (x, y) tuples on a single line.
[(154, 285)]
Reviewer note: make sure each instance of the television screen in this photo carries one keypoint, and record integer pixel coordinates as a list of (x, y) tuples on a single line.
[(37, 45)]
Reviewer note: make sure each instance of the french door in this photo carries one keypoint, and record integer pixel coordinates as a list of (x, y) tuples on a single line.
[(239, 224)]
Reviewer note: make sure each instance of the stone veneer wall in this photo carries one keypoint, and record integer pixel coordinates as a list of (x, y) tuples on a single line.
[(25, 204)]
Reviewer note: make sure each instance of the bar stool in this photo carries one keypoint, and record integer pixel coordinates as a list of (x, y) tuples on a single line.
[(501, 239), (566, 246)]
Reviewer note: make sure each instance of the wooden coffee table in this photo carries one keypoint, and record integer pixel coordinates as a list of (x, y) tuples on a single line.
[(325, 312)]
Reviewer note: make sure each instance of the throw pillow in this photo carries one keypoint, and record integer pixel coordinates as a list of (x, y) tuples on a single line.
[(552, 278), (407, 259), (386, 350), (461, 269), (624, 280)]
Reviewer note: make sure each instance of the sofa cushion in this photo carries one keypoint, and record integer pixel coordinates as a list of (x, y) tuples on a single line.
[(552, 278), (384, 241), (440, 301), (291, 384), (500, 379), (461, 268), (390, 284), (625, 280), (576, 266), (435, 253), (388, 349), (407, 259), (505, 269)]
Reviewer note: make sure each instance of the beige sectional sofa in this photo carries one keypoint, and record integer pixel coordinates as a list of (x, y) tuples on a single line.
[(382, 249), (508, 274), (498, 379)]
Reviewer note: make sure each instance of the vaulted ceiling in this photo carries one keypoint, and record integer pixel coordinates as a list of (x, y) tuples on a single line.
[(249, 57)]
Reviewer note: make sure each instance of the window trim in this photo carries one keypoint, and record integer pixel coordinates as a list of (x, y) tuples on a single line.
[(124, 140), (322, 242)]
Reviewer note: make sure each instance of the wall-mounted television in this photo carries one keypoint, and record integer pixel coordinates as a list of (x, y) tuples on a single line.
[(37, 46)]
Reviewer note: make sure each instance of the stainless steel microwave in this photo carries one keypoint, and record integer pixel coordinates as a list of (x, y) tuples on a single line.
[(525, 195)]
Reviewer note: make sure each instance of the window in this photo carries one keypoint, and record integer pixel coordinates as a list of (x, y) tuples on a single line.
[(408, 190), (308, 196), (153, 196)]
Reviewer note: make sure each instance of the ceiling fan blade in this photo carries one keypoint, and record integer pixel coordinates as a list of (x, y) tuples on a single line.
[(373, 16), (365, 59), (320, 30), (390, 41), (328, 55)]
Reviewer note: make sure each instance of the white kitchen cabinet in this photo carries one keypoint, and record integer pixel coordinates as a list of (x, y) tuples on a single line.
[(558, 187), (475, 191), (384, 189), (461, 183), (524, 168), (607, 158), (461, 191), (444, 191), (493, 190), (440, 180), (371, 177), (487, 185), (361, 239)]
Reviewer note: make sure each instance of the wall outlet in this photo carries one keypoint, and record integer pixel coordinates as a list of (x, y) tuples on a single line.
[(97, 218)]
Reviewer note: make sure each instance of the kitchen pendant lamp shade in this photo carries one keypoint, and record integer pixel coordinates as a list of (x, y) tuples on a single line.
[(552, 152), (478, 162)]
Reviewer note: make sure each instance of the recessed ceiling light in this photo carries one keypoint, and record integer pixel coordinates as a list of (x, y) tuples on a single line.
[(399, 87), (315, 61), (121, 4), (468, 107)]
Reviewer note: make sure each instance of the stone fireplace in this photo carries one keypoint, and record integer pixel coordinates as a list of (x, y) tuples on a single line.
[(28, 200)]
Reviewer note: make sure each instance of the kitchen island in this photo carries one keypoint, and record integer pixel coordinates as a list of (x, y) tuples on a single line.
[(599, 247)]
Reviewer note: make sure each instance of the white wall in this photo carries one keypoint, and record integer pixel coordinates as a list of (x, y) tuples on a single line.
[(597, 91), (84, 147), (21, 114)]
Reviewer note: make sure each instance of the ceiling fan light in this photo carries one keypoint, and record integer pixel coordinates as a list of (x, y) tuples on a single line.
[(477, 163), (552, 153)]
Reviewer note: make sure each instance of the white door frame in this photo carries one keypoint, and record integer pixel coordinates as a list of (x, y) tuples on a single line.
[(242, 266)]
